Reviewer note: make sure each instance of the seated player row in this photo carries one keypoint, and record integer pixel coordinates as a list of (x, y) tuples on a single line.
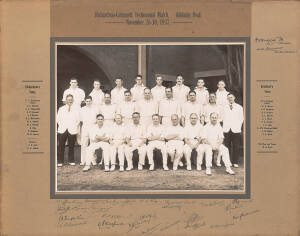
[(180, 91)]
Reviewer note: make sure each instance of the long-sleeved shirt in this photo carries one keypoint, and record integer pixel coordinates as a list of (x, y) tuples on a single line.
[(233, 118), (68, 119)]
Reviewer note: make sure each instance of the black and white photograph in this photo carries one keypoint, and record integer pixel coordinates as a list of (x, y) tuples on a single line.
[(140, 117)]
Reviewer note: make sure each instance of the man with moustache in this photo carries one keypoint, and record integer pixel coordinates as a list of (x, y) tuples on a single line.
[(180, 91)]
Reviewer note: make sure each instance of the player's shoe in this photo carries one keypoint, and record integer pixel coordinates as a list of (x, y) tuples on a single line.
[(121, 168), (208, 171), (112, 168), (166, 168), (59, 165), (140, 167), (235, 165), (86, 168), (72, 164), (229, 171), (151, 167)]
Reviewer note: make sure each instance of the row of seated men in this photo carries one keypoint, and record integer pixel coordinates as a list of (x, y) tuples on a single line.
[(230, 114)]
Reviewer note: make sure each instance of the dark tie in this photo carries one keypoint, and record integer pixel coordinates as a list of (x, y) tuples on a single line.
[(231, 106)]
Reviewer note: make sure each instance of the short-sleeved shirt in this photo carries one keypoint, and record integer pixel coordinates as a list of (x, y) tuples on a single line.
[(174, 130), (213, 133), (78, 95)]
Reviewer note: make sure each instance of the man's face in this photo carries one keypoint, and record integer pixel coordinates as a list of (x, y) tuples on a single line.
[(136, 119), (119, 82), (192, 97), (221, 85), (147, 94), (179, 80), (118, 119), (193, 119), (230, 98), (69, 100), (212, 98), (200, 83), (97, 85), (100, 121), (213, 118), (169, 93), (175, 120), (127, 97), (73, 83), (88, 102), (107, 99), (159, 81), (155, 120), (138, 80)]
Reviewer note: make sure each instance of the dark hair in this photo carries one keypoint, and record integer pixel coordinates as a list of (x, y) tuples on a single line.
[(97, 80), (169, 88), (127, 91), (69, 95), (192, 91), (139, 76), (100, 115), (212, 93), (88, 97), (119, 78), (136, 113), (179, 75)]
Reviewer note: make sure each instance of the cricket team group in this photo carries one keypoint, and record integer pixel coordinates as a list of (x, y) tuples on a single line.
[(173, 120)]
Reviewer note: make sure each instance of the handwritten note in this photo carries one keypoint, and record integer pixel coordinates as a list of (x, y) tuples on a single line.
[(275, 45), (154, 217)]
